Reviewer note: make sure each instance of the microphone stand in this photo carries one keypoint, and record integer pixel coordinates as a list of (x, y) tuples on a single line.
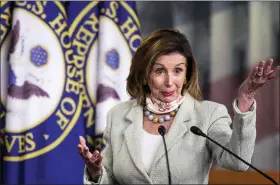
[(197, 131), (161, 130)]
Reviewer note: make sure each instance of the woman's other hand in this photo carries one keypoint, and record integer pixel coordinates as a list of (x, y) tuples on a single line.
[(92, 160)]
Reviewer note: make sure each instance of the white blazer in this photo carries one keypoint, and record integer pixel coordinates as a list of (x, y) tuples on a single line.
[(190, 156)]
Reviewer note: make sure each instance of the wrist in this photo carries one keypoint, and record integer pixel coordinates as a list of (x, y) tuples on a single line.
[(94, 176), (246, 91), (247, 96), (244, 103)]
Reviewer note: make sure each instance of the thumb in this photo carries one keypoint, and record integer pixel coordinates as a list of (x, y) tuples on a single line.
[(82, 140)]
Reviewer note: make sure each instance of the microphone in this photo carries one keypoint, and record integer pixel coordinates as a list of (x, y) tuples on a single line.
[(198, 132), (161, 131)]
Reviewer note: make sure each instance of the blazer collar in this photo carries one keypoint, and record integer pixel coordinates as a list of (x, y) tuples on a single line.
[(133, 136), (133, 132)]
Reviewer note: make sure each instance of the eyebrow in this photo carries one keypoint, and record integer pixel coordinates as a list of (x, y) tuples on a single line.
[(175, 65)]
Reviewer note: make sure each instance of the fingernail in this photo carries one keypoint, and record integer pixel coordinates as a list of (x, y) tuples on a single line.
[(96, 155)]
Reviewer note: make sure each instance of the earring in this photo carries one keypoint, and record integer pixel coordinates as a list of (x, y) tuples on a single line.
[(144, 82)]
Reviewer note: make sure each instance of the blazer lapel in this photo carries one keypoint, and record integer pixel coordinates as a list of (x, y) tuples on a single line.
[(178, 128), (132, 137)]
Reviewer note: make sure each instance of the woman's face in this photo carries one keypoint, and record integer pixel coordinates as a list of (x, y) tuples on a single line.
[(167, 77)]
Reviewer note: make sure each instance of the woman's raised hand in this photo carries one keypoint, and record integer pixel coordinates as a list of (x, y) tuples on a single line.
[(259, 77)]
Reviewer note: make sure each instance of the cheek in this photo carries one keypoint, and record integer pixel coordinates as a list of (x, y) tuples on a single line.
[(156, 83), (179, 82)]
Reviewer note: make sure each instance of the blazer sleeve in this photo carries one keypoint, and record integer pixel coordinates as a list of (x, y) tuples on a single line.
[(107, 176), (240, 139)]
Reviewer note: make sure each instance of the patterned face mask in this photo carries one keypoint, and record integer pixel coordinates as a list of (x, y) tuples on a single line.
[(159, 107)]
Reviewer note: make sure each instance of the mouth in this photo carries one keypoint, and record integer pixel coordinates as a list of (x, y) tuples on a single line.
[(167, 94)]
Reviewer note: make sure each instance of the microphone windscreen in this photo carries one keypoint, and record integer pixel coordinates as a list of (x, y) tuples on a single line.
[(196, 130), (161, 130)]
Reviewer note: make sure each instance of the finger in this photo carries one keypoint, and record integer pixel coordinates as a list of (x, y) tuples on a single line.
[(82, 151), (82, 140), (80, 148), (260, 68), (277, 69), (254, 72), (267, 66), (271, 77), (96, 153), (99, 161), (82, 154), (273, 73), (95, 156), (261, 63), (86, 152), (84, 157)]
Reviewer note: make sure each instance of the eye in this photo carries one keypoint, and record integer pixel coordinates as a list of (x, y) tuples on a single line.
[(159, 70), (178, 70)]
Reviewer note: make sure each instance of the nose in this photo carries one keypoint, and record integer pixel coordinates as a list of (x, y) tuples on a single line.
[(168, 80)]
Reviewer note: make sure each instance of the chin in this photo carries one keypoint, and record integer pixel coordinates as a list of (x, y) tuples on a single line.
[(168, 99)]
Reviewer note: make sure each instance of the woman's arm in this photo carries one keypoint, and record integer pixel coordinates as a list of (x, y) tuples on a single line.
[(240, 139), (107, 176)]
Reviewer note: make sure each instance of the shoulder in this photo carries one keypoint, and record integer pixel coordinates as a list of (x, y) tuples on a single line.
[(122, 108), (209, 107), (208, 104)]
